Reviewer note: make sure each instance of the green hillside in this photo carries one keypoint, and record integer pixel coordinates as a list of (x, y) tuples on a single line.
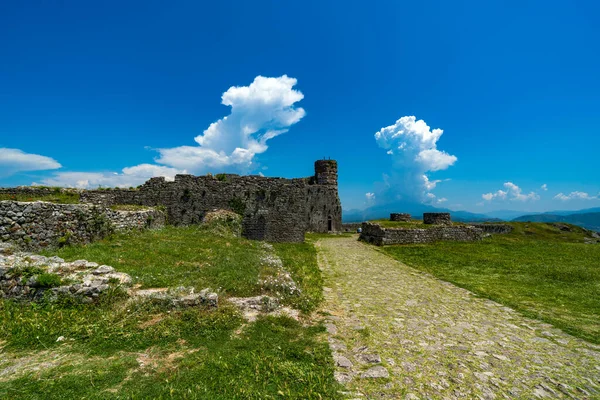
[(586, 220)]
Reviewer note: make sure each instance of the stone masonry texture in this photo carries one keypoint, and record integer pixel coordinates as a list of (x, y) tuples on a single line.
[(398, 333), (33, 225), (437, 218), (273, 209), (375, 234), (400, 217)]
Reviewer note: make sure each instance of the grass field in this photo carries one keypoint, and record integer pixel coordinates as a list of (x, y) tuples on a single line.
[(537, 269), (118, 349)]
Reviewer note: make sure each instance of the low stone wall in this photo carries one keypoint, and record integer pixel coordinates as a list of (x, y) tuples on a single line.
[(375, 234), (437, 219), (33, 225), (400, 217), (351, 227), (495, 228), (140, 219)]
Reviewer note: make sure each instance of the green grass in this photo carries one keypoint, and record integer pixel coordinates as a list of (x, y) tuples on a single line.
[(537, 269), (178, 256), (412, 224), (300, 260), (145, 349), (57, 196)]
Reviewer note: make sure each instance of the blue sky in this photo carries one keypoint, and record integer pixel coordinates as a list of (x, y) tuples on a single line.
[(91, 93)]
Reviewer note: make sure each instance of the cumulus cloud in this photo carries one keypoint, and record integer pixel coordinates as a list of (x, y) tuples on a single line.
[(433, 199), (512, 192), (544, 187), (576, 196), (259, 112), (130, 176), (413, 147), (15, 160)]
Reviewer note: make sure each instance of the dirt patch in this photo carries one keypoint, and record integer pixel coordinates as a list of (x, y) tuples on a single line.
[(155, 319)]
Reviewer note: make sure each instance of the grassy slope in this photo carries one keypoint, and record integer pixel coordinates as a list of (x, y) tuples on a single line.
[(538, 269), (146, 350), (586, 220), (56, 197)]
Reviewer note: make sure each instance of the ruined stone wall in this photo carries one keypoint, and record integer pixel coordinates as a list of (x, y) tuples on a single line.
[(34, 225), (400, 217), (375, 234), (273, 209), (495, 228), (437, 218)]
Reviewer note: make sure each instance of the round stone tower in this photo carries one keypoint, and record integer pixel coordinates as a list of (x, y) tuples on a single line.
[(437, 218), (326, 172)]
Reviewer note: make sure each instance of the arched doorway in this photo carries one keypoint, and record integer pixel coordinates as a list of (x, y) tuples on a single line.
[(329, 224)]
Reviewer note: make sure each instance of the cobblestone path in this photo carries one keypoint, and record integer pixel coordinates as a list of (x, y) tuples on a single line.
[(399, 333)]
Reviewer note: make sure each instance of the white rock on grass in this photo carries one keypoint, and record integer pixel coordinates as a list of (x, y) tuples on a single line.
[(375, 372)]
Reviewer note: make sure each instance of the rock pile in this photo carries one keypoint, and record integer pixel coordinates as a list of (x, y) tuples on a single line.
[(29, 276), (181, 297)]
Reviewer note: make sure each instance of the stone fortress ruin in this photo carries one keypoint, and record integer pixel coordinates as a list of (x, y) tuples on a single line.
[(435, 227), (272, 209)]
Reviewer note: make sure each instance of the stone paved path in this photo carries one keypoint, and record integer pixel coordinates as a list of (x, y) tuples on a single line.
[(437, 341)]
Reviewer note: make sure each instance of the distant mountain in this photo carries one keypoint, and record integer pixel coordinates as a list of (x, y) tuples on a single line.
[(507, 215), (512, 214), (415, 209), (590, 220), (571, 212)]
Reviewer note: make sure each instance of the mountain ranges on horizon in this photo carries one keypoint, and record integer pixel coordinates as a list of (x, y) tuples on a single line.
[(587, 218)]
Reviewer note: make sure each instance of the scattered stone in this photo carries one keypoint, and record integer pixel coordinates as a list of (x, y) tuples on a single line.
[(252, 307), (375, 372), (369, 358), (331, 329), (342, 377), (103, 269), (60, 339), (336, 346), (73, 279), (342, 361), (540, 393)]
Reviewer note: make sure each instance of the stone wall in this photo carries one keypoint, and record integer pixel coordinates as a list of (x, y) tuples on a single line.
[(33, 225), (495, 228), (351, 227), (400, 217), (437, 218), (273, 209), (375, 234)]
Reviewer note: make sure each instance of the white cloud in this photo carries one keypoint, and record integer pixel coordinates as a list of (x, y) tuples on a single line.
[(15, 160), (544, 187), (259, 112), (512, 192), (413, 147), (432, 199), (129, 176), (370, 196), (575, 196), (430, 185)]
